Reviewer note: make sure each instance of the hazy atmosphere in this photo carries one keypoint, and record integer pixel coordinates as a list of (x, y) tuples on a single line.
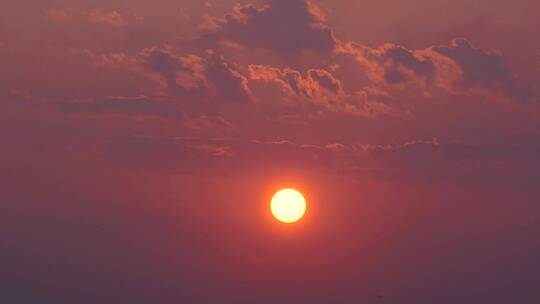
[(141, 143)]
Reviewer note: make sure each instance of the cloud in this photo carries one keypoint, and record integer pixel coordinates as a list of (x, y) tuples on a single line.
[(393, 64), (431, 161), (435, 161), (228, 157), (319, 88), (458, 68), (325, 81), (484, 69), (20, 94), (97, 16), (57, 15), (195, 76), (285, 26), (214, 124), (110, 18), (209, 76), (110, 60), (137, 108)]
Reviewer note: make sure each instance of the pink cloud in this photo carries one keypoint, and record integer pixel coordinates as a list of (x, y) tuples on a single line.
[(111, 18), (57, 15), (321, 89)]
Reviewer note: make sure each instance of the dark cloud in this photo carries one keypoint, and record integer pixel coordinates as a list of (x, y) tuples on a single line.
[(140, 107), (458, 68), (393, 64), (325, 80), (285, 26), (485, 69), (195, 76)]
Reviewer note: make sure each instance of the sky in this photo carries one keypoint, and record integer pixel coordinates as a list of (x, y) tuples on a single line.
[(141, 142)]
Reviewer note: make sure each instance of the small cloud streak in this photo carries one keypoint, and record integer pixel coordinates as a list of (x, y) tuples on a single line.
[(110, 18), (57, 15)]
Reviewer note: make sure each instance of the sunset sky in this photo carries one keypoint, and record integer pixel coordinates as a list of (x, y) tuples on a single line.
[(141, 143)]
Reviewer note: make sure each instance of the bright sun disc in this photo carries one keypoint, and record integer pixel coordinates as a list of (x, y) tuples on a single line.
[(288, 205)]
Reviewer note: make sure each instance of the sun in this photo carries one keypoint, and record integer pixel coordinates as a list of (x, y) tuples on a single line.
[(288, 206)]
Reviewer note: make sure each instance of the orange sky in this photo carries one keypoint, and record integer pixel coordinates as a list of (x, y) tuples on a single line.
[(142, 141)]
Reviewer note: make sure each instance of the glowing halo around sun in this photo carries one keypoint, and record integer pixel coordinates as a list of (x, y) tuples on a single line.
[(288, 206)]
